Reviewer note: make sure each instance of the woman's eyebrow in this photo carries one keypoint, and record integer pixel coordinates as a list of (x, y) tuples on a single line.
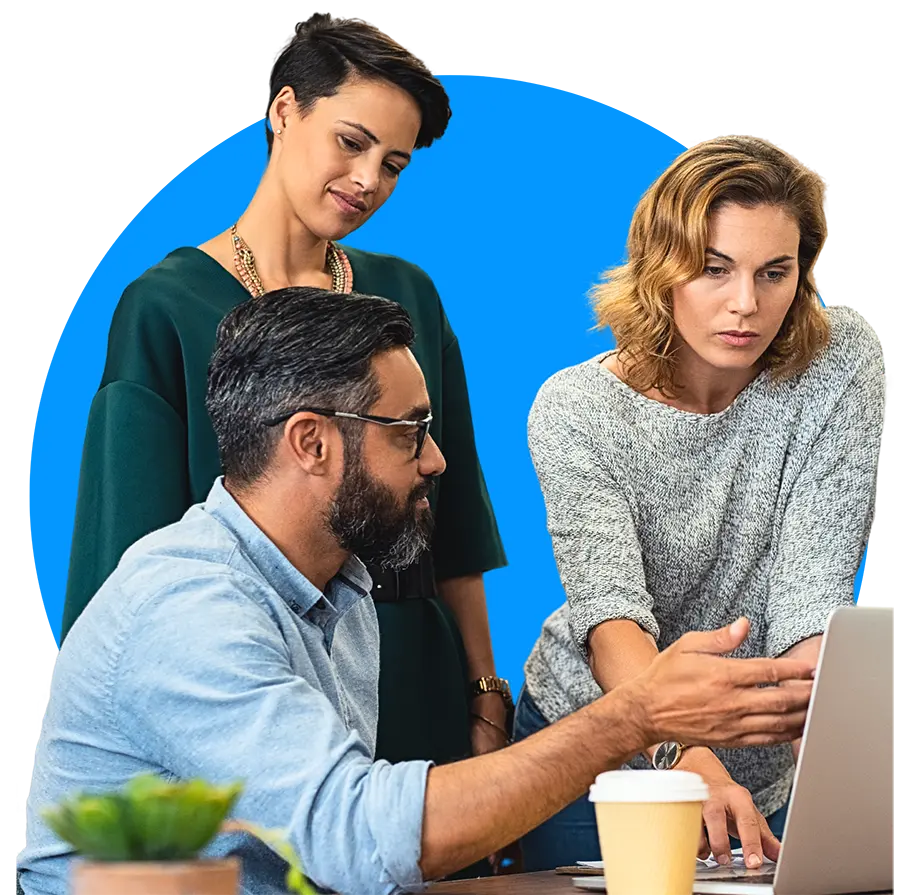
[(370, 136)]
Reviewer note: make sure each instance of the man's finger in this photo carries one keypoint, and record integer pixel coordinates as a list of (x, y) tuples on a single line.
[(717, 830), (763, 730), (796, 673), (751, 672), (745, 740), (753, 730), (793, 700), (795, 697), (746, 819)]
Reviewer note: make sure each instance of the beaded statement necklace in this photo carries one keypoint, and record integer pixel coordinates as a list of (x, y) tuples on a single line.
[(244, 261)]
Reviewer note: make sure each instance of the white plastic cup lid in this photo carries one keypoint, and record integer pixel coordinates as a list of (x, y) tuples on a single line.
[(649, 786)]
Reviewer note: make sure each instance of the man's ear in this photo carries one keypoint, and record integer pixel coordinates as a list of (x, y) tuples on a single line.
[(313, 441)]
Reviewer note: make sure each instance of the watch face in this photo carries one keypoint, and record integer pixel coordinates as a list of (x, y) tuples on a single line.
[(667, 756)]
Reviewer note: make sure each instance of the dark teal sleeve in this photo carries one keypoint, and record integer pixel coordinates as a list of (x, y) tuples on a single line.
[(467, 541), (134, 473), (133, 480)]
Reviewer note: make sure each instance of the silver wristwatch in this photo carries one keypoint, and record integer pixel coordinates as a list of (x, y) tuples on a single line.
[(667, 755)]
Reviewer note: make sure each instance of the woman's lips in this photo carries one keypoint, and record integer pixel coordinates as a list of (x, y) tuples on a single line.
[(348, 204), (738, 339)]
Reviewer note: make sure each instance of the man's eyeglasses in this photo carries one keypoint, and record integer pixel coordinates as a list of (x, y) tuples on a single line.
[(421, 426)]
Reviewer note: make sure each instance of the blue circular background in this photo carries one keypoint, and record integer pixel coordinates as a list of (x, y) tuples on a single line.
[(514, 214)]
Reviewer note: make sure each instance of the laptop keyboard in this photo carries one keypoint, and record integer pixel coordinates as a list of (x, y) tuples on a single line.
[(741, 874)]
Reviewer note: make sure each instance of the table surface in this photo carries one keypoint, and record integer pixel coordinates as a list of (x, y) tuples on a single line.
[(545, 883)]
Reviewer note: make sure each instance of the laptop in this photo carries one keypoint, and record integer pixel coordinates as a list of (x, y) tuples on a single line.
[(838, 836)]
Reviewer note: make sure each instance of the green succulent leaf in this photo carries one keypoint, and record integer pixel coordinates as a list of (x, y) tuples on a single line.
[(93, 825), (151, 819), (143, 785)]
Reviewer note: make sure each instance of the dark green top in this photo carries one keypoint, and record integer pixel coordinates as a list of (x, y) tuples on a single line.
[(150, 451)]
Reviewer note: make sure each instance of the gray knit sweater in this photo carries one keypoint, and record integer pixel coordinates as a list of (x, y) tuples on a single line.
[(683, 521)]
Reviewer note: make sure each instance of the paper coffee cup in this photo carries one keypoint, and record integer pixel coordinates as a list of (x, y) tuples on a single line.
[(649, 830)]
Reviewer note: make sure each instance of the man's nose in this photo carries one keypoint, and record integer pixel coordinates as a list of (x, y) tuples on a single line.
[(431, 460)]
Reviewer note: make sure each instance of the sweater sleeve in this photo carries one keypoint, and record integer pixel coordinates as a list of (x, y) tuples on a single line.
[(594, 537), (826, 522), (134, 475)]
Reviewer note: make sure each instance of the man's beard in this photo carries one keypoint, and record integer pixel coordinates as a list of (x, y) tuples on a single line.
[(367, 519)]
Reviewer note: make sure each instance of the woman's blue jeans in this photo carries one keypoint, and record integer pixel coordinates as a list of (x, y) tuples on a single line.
[(570, 836)]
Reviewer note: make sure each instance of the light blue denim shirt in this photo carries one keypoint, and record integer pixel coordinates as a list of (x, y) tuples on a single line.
[(207, 654)]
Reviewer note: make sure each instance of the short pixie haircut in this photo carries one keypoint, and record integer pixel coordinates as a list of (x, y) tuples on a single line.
[(326, 52)]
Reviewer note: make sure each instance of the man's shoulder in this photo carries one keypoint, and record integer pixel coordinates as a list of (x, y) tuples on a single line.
[(197, 539), (188, 564)]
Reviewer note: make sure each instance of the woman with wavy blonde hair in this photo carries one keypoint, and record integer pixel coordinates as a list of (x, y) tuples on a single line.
[(720, 462)]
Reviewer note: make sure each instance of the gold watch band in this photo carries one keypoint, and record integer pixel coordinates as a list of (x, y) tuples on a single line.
[(489, 684)]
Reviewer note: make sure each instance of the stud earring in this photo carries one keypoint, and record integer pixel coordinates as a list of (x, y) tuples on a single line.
[(278, 131)]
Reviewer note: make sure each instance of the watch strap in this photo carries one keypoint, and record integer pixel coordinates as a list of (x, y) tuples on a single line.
[(489, 684)]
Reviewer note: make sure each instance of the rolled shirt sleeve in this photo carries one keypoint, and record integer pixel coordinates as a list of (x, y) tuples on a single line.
[(223, 698), (594, 537)]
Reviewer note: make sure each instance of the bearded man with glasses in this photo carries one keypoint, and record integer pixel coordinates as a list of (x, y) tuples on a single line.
[(241, 643)]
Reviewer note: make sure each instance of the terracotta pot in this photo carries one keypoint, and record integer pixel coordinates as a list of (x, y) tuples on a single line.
[(156, 878)]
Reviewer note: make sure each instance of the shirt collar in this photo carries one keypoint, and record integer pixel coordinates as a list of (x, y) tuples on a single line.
[(350, 585)]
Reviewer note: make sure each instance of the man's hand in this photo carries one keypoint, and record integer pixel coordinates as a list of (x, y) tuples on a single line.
[(690, 694), (696, 697)]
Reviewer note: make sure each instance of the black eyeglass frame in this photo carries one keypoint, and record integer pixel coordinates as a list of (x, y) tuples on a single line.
[(422, 426)]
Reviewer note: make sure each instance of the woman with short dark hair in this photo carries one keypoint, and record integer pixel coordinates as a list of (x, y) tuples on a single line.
[(347, 108)]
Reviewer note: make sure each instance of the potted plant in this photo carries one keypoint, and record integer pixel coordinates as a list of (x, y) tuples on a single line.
[(145, 839)]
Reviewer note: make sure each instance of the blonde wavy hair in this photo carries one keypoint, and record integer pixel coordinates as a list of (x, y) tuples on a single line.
[(666, 248)]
